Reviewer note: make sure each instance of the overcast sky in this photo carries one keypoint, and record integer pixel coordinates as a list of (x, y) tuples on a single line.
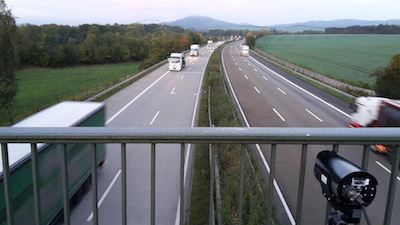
[(256, 12)]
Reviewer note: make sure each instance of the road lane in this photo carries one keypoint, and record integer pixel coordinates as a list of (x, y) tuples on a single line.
[(301, 106), (160, 99)]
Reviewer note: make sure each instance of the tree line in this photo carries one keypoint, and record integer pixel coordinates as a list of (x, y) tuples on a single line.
[(58, 46), (380, 29)]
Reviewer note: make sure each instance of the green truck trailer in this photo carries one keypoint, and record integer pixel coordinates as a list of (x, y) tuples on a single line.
[(64, 114)]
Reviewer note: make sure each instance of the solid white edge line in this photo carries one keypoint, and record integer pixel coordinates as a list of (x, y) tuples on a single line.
[(154, 118), (316, 117), (276, 186), (133, 100), (384, 167), (302, 89), (177, 218), (105, 194)]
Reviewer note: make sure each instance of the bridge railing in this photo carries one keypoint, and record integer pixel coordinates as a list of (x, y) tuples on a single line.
[(183, 136)]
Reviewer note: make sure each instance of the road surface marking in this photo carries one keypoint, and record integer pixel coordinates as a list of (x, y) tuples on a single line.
[(189, 68), (248, 64), (277, 113), (105, 194), (316, 117), (302, 89), (255, 69), (240, 69), (154, 118), (257, 90), (276, 186), (281, 91), (384, 167), (172, 92), (246, 77), (265, 78), (133, 100), (236, 64), (182, 77)]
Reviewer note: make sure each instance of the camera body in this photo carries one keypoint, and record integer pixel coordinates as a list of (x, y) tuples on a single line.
[(337, 176)]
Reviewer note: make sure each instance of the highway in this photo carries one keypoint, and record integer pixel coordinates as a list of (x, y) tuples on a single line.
[(270, 97), (162, 98)]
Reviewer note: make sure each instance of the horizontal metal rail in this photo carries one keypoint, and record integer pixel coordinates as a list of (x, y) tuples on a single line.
[(274, 136)]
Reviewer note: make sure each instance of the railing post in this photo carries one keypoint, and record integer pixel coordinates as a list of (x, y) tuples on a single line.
[(153, 184), (328, 206), (94, 184), (212, 176), (301, 183), (182, 184), (365, 159), (123, 182), (7, 184), (271, 184), (392, 185), (35, 183), (242, 162), (64, 176)]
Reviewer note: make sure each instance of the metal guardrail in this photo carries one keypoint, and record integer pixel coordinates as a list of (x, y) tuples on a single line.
[(154, 136)]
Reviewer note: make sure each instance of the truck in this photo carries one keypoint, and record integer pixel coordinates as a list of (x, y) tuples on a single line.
[(194, 49), (176, 61), (244, 50), (64, 114), (210, 44), (376, 112)]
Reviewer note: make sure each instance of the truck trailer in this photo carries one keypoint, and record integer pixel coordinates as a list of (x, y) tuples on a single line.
[(64, 114), (376, 112)]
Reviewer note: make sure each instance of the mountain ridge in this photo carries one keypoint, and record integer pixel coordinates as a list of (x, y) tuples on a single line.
[(208, 23)]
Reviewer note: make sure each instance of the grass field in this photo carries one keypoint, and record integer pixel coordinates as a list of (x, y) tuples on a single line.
[(348, 58), (40, 88)]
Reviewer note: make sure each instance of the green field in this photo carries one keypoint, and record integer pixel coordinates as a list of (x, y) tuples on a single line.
[(349, 58), (40, 88)]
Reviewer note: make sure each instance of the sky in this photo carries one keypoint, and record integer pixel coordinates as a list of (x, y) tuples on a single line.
[(255, 12)]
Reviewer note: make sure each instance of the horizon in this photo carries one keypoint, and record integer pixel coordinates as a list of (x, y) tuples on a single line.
[(255, 12)]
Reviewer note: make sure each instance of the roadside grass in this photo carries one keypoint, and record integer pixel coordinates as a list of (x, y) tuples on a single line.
[(223, 114), (348, 58), (41, 88)]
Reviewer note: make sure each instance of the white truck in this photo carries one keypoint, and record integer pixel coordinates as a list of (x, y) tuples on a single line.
[(376, 112), (176, 61), (244, 51), (194, 49), (210, 44)]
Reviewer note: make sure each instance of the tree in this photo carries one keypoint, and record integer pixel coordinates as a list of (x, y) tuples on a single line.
[(8, 60), (250, 40), (388, 79)]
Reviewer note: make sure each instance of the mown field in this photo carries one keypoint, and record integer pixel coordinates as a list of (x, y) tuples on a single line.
[(41, 88), (349, 58)]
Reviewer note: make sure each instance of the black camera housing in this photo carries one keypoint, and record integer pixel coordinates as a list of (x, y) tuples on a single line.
[(337, 175)]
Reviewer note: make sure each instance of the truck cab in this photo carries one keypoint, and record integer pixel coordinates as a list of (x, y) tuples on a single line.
[(244, 50), (176, 61), (194, 49)]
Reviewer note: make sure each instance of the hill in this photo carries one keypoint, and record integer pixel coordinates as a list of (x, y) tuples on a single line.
[(207, 23)]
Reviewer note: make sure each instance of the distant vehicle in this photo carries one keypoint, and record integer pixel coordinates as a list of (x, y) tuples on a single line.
[(210, 43), (376, 112), (64, 114), (244, 50), (194, 49), (176, 61)]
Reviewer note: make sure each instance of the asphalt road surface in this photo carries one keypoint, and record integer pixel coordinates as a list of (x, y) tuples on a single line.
[(162, 98), (270, 97)]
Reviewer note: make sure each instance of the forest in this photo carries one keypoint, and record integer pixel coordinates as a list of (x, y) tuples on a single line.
[(59, 46), (380, 29)]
